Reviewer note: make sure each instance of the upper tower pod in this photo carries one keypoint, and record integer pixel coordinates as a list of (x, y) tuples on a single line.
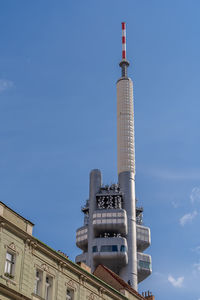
[(113, 234)]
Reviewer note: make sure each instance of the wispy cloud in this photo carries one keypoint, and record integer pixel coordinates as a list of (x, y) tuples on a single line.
[(195, 195), (196, 249), (187, 218), (197, 266), (5, 85), (175, 204), (176, 282)]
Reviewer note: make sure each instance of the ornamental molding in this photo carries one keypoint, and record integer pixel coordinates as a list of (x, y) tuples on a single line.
[(12, 246), (83, 279), (30, 244), (2, 224), (44, 267), (92, 296), (101, 291), (72, 285)]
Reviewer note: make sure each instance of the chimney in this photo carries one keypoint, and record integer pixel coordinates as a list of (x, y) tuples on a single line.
[(148, 295)]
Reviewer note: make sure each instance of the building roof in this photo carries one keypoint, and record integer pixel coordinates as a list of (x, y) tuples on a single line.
[(101, 271), (14, 212)]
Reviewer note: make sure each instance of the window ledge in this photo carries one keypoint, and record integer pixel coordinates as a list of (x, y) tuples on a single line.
[(36, 297), (11, 280)]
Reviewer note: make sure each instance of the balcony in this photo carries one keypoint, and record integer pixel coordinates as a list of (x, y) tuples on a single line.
[(111, 252), (144, 266), (82, 238), (110, 220), (143, 237)]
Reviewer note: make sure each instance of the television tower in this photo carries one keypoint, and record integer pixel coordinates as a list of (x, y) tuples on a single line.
[(113, 234)]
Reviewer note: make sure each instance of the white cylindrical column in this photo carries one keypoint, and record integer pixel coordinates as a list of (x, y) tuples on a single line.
[(126, 171), (95, 184), (125, 126)]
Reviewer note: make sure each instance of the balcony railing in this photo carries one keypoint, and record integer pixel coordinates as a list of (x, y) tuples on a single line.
[(110, 220), (144, 266), (82, 237), (143, 237)]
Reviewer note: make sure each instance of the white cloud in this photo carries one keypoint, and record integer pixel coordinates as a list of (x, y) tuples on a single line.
[(175, 204), (195, 195), (5, 85), (187, 218), (176, 282), (197, 250), (197, 266)]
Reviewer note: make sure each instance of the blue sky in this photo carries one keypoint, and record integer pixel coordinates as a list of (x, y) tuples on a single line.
[(58, 72)]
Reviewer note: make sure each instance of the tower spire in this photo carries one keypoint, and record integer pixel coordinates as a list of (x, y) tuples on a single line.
[(124, 63)]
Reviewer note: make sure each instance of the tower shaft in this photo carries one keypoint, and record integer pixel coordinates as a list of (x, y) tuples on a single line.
[(126, 172), (126, 162)]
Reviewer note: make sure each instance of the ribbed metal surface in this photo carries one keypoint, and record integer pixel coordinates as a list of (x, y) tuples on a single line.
[(143, 237), (111, 221), (144, 266), (125, 126)]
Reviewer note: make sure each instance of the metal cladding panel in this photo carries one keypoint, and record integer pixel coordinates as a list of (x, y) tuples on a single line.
[(82, 237), (110, 220), (127, 186), (144, 266), (125, 126), (143, 237), (114, 260)]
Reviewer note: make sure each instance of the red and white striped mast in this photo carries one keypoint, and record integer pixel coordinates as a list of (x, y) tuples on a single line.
[(124, 63), (123, 41)]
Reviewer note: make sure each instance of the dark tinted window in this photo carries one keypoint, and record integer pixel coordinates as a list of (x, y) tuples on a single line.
[(109, 248), (123, 248), (94, 249), (114, 248)]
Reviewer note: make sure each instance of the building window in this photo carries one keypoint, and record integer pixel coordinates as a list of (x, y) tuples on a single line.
[(48, 288), (94, 249), (109, 248), (145, 264), (123, 248), (38, 283), (9, 265), (70, 294)]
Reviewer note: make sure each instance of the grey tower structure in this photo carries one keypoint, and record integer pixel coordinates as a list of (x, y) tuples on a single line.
[(113, 234)]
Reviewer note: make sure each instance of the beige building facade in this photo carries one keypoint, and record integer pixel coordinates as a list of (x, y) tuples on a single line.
[(29, 269)]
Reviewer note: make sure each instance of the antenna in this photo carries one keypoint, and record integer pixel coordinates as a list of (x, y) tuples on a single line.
[(124, 63), (123, 41)]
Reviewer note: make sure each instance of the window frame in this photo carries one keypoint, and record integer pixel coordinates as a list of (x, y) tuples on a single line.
[(70, 297), (48, 292), (38, 282), (9, 267)]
